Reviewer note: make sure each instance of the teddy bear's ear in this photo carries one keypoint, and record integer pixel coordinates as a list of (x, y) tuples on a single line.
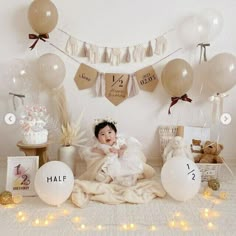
[(221, 146), (207, 143)]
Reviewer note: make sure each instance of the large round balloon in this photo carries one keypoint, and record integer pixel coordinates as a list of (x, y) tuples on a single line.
[(54, 182), (181, 178), (222, 72), (193, 30), (51, 70), (177, 77), (42, 16), (215, 22), (19, 76)]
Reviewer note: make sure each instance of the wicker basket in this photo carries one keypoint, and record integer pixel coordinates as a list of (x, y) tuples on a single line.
[(166, 133), (208, 171)]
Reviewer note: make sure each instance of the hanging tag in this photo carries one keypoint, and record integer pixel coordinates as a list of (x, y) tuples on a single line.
[(72, 47), (105, 56), (83, 50), (115, 56), (85, 76), (149, 52), (116, 87), (147, 79), (139, 53), (127, 56), (161, 45)]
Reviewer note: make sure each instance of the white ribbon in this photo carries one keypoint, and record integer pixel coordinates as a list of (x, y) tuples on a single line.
[(93, 54), (161, 45), (139, 53), (217, 105), (115, 56), (133, 88), (72, 47), (100, 85)]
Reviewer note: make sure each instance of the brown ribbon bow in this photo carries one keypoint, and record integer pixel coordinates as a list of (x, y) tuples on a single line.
[(37, 37), (174, 100)]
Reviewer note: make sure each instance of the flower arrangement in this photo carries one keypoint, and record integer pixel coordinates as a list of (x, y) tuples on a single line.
[(33, 121), (34, 118), (107, 119), (71, 133)]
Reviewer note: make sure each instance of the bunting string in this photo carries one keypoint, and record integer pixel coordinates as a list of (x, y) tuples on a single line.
[(113, 55), (115, 87)]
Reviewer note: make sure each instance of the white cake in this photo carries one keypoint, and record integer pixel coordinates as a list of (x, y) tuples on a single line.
[(35, 137)]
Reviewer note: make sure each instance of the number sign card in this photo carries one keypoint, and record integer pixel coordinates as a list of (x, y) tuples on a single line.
[(21, 173), (116, 87), (147, 79)]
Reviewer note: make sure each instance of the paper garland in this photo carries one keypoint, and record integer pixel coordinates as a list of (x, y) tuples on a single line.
[(116, 87), (85, 76), (115, 56)]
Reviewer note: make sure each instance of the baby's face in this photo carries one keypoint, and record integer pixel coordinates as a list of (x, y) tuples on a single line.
[(107, 136)]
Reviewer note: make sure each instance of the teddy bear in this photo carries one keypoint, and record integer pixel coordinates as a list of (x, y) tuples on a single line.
[(211, 151), (177, 148)]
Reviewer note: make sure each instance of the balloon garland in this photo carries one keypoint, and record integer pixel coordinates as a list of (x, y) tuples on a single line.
[(177, 75)]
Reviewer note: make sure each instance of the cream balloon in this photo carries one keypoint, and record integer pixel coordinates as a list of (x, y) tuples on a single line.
[(222, 72), (181, 178), (54, 182), (51, 70), (177, 77), (42, 16)]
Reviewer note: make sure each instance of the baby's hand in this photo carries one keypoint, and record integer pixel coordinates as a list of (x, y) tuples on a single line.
[(113, 150), (122, 150), (97, 150)]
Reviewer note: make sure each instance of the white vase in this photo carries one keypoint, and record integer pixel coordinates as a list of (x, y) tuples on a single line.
[(67, 154)]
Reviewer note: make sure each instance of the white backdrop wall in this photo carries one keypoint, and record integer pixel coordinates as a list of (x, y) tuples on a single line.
[(116, 24)]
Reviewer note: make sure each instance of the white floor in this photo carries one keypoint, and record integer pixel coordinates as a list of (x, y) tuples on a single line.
[(198, 216)]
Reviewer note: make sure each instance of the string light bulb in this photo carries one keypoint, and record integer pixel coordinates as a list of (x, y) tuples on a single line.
[(210, 225), (172, 224), (223, 195), (99, 227), (153, 228)]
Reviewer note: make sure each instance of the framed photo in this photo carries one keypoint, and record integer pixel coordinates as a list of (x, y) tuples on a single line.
[(21, 172)]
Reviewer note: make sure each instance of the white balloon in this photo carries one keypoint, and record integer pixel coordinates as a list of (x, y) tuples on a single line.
[(181, 178), (19, 76), (193, 30), (215, 22), (54, 182)]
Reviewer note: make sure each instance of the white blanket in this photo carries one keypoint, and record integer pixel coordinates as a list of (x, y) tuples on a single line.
[(86, 188), (142, 192)]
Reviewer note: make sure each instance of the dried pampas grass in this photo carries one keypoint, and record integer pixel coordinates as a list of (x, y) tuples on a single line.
[(71, 133)]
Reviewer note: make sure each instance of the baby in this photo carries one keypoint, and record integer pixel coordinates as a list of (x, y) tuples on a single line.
[(121, 167)]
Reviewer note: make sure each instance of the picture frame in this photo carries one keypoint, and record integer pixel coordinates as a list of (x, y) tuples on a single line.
[(21, 171)]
